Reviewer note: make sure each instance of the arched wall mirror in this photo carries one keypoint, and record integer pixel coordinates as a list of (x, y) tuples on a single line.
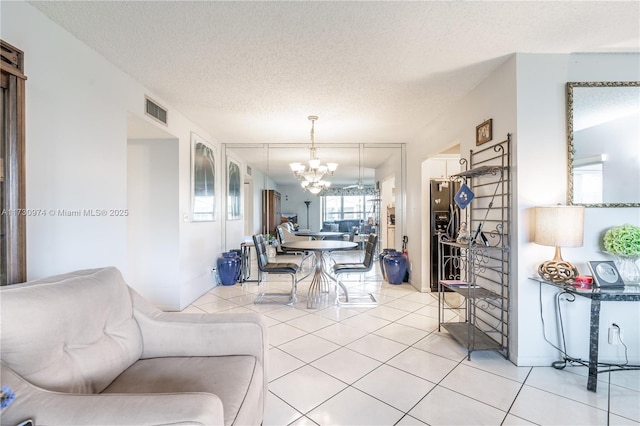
[(363, 170), (604, 144)]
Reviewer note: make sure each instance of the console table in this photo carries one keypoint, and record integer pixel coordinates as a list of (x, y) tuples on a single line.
[(627, 294)]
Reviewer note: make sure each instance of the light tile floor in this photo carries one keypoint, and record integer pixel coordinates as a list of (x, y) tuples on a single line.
[(389, 365)]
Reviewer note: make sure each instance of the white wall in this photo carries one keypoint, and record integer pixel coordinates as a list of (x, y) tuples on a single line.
[(542, 176), (293, 198), (493, 98), (152, 225), (525, 96), (76, 148)]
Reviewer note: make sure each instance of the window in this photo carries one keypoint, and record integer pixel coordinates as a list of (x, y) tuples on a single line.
[(350, 207)]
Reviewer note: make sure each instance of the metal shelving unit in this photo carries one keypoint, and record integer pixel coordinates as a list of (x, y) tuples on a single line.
[(480, 259)]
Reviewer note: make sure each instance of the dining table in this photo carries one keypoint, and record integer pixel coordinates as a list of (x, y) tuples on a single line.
[(320, 283), (319, 235)]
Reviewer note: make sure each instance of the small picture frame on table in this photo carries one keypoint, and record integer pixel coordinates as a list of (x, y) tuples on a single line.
[(484, 132), (605, 274)]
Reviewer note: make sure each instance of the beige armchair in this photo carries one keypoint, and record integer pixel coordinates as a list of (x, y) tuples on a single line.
[(85, 349)]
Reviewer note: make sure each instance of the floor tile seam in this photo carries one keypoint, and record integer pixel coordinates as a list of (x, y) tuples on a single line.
[(398, 341), (406, 325), (436, 354), (404, 413), (291, 371), (496, 374), (405, 371), (390, 320), (602, 380), (341, 380), (306, 414), (409, 415), (328, 353), (292, 407), (307, 331), (315, 359), (286, 320), (435, 386), (586, 404), (522, 385), (440, 385)]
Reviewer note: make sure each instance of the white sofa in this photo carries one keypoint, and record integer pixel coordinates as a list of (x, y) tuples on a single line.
[(85, 349)]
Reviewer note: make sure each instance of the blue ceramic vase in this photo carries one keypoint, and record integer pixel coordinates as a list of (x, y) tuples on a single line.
[(381, 256), (228, 268), (395, 265)]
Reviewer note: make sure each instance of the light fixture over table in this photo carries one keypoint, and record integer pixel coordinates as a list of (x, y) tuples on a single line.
[(311, 178), (559, 226)]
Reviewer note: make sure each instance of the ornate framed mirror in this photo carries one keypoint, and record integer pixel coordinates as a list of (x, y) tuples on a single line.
[(603, 144)]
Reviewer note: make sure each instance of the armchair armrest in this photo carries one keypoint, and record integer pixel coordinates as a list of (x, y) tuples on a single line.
[(188, 334), (46, 407)]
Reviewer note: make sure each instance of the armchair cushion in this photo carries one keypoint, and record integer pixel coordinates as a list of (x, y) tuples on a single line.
[(230, 382), (74, 333)]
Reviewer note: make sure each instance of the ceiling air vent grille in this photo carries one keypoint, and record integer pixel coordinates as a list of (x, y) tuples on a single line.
[(156, 111)]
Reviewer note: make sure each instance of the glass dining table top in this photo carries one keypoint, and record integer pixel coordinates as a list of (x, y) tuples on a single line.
[(320, 245)]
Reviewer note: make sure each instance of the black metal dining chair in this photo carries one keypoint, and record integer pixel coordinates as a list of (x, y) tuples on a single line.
[(266, 267), (356, 267)]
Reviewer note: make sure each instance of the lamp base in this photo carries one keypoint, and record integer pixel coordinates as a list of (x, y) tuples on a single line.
[(557, 271)]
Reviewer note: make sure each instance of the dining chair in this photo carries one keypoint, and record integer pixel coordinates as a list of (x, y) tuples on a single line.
[(356, 267), (287, 237), (351, 237), (266, 267)]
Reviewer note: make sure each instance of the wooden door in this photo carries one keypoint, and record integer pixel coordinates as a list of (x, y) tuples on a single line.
[(13, 267)]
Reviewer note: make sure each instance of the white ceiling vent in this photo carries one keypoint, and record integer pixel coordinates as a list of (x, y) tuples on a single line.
[(153, 109)]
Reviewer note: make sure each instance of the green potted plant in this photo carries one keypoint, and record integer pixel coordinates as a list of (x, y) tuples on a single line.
[(623, 242)]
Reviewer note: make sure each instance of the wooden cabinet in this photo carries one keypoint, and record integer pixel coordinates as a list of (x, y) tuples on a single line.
[(271, 211)]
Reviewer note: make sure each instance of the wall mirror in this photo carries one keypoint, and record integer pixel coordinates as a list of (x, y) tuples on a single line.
[(604, 144), (361, 168)]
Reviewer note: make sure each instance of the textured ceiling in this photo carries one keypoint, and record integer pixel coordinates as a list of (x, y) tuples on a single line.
[(251, 72)]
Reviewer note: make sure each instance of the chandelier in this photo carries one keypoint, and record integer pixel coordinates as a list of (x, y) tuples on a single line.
[(311, 177)]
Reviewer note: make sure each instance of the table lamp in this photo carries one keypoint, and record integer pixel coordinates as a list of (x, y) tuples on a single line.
[(559, 226)]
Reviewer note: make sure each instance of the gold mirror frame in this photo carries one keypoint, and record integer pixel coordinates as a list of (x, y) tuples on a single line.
[(571, 148)]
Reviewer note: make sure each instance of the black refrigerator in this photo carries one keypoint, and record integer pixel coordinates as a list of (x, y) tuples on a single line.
[(445, 218)]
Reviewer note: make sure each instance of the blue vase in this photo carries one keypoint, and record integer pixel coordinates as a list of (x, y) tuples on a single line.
[(381, 256), (228, 267), (238, 253), (395, 265)]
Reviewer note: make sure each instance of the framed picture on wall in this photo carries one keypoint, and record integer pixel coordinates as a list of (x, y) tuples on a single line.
[(203, 180), (234, 190), (484, 132)]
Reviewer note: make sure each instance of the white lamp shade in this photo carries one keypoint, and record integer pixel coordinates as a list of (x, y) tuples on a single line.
[(559, 226), (314, 163)]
